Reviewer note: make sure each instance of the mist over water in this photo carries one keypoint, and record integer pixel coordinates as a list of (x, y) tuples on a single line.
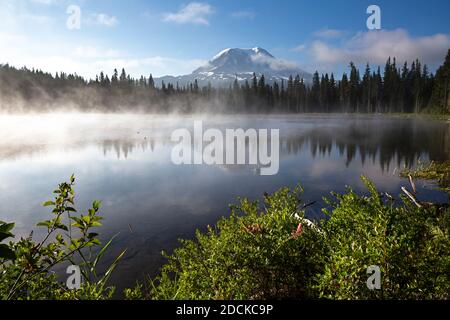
[(124, 160)]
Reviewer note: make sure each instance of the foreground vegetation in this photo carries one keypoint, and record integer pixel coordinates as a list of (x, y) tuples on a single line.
[(277, 253), (26, 266), (258, 252), (436, 171)]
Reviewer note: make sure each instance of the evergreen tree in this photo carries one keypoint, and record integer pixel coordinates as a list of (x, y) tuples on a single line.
[(151, 82), (115, 78), (440, 99), (123, 76), (354, 88), (367, 90), (397, 90), (314, 96)]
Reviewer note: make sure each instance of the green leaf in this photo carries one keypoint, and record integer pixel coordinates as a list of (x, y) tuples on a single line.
[(103, 250), (96, 204), (6, 252), (77, 225), (59, 238), (76, 219), (75, 243), (102, 282), (48, 203), (6, 227), (45, 224), (93, 242), (92, 235), (61, 226), (5, 235)]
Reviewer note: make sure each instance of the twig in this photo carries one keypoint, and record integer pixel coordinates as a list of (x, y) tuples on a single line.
[(413, 199), (413, 185), (308, 205)]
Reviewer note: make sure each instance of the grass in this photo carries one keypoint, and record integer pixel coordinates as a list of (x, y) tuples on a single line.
[(437, 171)]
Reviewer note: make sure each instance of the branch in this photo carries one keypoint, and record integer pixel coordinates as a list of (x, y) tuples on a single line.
[(413, 198)]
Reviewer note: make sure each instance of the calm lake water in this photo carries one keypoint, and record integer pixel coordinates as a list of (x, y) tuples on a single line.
[(124, 160)]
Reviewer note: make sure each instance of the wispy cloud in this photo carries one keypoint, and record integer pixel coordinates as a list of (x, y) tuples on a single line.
[(376, 46), (87, 61), (195, 13), (19, 48), (14, 16), (274, 64), (105, 19), (39, 19), (243, 15), (329, 33), (299, 48), (157, 65), (46, 2), (90, 52)]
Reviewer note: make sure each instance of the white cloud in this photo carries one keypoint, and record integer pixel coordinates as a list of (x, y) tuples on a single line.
[(8, 15), (299, 48), (19, 49), (194, 12), (14, 15), (39, 19), (89, 52), (11, 39), (87, 61), (329, 33), (243, 15), (377, 46), (105, 20), (157, 65), (89, 68), (46, 2), (274, 64)]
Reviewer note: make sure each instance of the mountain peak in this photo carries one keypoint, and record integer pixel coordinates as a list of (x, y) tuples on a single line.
[(238, 60), (240, 63), (259, 50), (241, 52)]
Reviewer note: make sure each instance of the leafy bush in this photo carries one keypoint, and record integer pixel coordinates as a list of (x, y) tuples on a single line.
[(278, 254), (249, 255), (410, 244), (5, 232), (437, 171), (255, 253), (26, 266)]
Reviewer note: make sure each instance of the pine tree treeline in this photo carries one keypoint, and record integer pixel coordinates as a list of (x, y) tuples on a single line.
[(440, 99), (409, 88)]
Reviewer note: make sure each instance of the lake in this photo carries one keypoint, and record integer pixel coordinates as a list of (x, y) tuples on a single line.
[(125, 161)]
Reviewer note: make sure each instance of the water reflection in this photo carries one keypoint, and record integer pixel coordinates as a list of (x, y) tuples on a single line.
[(125, 161), (404, 141)]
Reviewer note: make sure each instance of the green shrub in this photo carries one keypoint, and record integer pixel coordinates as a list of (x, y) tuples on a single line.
[(261, 251), (248, 255), (258, 255), (437, 171), (410, 244), (26, 266)]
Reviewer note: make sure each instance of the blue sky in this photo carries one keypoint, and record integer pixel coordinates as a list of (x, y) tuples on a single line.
[(175, 37)]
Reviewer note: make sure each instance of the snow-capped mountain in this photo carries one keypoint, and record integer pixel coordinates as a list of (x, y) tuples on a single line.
[(240, 64)]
